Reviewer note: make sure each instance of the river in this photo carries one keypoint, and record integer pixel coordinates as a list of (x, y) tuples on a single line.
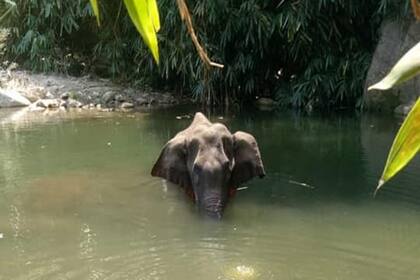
[(77, 201)]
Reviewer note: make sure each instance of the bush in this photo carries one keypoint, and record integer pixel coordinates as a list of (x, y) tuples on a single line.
[(300, 52)]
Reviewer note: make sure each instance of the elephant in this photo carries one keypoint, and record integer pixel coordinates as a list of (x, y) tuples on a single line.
[(209, 163)]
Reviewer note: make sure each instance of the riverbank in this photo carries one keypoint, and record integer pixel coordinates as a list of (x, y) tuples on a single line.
[(40, 92)]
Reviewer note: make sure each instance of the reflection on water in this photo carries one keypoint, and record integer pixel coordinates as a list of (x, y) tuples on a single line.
[(77, 202)]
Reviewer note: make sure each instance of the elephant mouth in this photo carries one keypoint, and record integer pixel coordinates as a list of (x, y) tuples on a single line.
[(212, 207), (213, 215)]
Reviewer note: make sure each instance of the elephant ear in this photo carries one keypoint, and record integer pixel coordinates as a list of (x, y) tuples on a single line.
[(172, 163), (248, 163)]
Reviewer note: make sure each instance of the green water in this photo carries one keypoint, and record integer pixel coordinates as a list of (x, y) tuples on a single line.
[(77, 202)]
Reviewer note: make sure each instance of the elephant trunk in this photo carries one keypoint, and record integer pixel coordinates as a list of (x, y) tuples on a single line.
[(212, 206)]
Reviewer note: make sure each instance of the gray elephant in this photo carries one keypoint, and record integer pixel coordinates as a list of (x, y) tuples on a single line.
[(209, 163)]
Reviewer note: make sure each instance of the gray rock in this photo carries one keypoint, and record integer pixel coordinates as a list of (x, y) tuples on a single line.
[(72, 103), (35, 108), (108, 97), (65, 96), (395, 40), (141, 101), (48, 103), (126, 105), (167, 98), (12, 98), (48, 95), (152, 101), (265, 101), (403, 109), (120, 98), (64, 104)]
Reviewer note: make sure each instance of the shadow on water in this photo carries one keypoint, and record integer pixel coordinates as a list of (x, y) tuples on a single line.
[(77, 201)]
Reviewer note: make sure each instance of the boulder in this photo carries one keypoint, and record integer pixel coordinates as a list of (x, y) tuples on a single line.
[(126, 105), (108, 97), (395, 40), (12, 98), (141, 101), (48, 103), (72, 103), (65, 96)]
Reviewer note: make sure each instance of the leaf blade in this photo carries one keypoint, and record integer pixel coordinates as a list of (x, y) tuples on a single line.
[(154, 14), (406, 145), (406, 68), (95, 8), (138, 11)]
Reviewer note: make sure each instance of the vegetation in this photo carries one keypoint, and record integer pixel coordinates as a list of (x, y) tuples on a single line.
[(407, 142), (299, 52)]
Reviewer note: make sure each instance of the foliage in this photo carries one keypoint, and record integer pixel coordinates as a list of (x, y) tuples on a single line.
[(406, 68), (407, 142), (40, 31), (145, 16), (300, 52)]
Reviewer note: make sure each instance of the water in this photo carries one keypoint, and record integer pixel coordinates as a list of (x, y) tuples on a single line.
[(77, 202)]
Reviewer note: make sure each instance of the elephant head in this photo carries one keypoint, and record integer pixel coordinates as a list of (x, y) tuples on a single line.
[(209, 162)]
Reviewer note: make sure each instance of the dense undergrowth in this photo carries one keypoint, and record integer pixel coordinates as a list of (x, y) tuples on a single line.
[(300, 52)]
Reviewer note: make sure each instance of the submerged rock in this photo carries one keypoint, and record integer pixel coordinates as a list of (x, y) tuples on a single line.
[(266, 104)]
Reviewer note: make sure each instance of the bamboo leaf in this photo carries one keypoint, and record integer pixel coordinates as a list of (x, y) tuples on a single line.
[(95, 8), (154, 14), (406, 145), (407, 67), (145, 23)]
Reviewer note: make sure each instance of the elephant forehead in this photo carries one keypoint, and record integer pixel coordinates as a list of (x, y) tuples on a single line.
[(210, 134)]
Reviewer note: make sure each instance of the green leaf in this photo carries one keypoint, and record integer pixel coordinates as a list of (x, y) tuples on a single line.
[(154, 14), (406, 145), (145, 17), (407, 67), (95, 8)]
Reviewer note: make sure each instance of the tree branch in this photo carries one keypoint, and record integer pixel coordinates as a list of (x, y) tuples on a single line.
[(186, 17)]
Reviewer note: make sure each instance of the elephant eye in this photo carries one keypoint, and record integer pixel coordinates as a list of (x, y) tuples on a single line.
[(197, 168)]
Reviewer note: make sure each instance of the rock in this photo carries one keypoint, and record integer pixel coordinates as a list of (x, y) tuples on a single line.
[(35, 108), (266, 104), (167, 98), (85, 90), (108, 97), (74, 103), (183, 117), (403, 109), (48, 103), (126, 105), (65, 96), (64, 104), (48, 95), (152, 101), (12, 98), (120, 98), (265, 101), (141, 101), (395, 40)]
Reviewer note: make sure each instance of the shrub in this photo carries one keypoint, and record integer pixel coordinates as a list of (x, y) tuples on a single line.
[(300, 52)]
